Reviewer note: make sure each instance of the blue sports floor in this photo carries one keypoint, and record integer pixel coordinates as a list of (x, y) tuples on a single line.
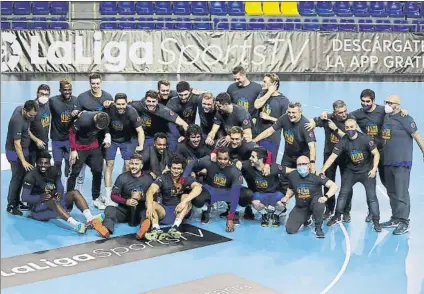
[(351, 259)]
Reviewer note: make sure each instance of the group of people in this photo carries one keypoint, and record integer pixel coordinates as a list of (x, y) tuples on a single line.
[(172, 164)]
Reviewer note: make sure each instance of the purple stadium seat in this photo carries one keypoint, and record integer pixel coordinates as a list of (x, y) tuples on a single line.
[(238, 24), (401, 25), (127, 23), (236, 8), (20, 23), (146, 23), (306, 8), (377, 9), (21, 8), (347, 25), (293, 24), (40, 8), (311, 24), (163, 7), (199, 8), (144, 7), (329, 25), (325, 8), (106, 25), (59, 8), (5, 25), (109, 8), (181, 8), (39, 23), (275, 24), (221, 23), (342, 8), (7, 8), (366, 25), (59, 23), (126, 7), (256, 23), (183, 23), (412, 10), (201, 23), (383, 25), (394, 9), (417, 25), (164, 23), (360, 9), (218, 8)]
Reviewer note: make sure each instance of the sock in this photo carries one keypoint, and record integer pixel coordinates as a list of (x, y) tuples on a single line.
[(177, 222), (72, 221), (155, 227), (88, 215), (204, 208), (108, 191)]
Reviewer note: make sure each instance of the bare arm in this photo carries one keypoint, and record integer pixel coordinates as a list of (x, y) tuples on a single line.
[(180, 122), (247, 133), (332, 188), (329, 162), (196, 189), (265, 134), (140, 136), (213, 131), (419, 140), (376, 158)]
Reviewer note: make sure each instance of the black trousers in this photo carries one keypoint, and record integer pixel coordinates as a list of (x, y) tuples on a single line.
[(16, 182), (121, 214), (381, 169), (246, 197), (331, 174), (397, 179), (349, 179), (288, 162), (299, 215), (94, 160)]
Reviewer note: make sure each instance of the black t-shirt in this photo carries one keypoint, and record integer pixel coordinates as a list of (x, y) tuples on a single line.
[(126, 183), (171, 193), (371, 123), (61, 110), (239, 118), (154, 122), (296, 136), (245, 96), (40, 125), (242, 152), (122, 126), (219, 177), (187, 111), (155, 162), (86, 101), (206, 119), (305, 189), (39, 183), (86, 130), (171, 94), (18, 130), (260, 183), (190, 153), (358, 151)]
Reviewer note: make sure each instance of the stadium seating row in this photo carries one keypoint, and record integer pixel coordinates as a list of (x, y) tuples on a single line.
[(35, 8), (35, 23)]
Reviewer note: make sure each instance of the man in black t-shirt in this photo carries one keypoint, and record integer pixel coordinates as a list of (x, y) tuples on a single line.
[(207, 112), (307, 189), (359, 148), (176, 193), (157, 158)]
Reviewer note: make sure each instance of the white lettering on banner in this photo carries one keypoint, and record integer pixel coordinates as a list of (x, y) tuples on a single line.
[(9, 57), (367, 45)]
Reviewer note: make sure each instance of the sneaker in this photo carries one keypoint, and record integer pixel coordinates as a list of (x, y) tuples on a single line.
[(334, 220), (144, 227), (205, 216), (327, 214), (236, 218), (155, 235), (248, 213), (99, 217), (319, 233), (265, 220), (308, 222), (346, 218), (14, 210), (225, 213), (368, 219), (80, 228), (99, 227), (377, 227), (99, 204), (390, 224), (401, 229), (174, 233), (275, 220), (109, 202), (23, 206)]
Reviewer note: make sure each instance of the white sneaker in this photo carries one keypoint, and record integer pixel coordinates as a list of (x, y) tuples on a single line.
[(99, 204), (109, 202)]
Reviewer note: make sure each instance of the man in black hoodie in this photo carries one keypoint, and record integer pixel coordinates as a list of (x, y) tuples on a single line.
[(157, 158)]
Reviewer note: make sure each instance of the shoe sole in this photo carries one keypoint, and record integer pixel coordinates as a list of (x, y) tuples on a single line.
[(404, 232), (144, 227), (175, 235), (101, 229), (319, 237)]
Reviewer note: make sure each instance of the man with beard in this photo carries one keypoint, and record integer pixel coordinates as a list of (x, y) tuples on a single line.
[(176, 193), (222, 183), (228, 116), (17, 152), (85, 149), (334, 128), (155, 117), (165, 92), (64, 108), (243, 92), (307, 188), (157, 158), (40, 125), (207, 112), (43, 190), (124, 122), (129, 193), (266, 190), (359, 149), (193, 147)]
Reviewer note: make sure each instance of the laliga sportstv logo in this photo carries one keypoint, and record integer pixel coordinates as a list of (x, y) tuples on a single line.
[(10, 51)]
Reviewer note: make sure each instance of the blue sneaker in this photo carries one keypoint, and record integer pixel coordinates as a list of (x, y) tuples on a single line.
[(401, 229)]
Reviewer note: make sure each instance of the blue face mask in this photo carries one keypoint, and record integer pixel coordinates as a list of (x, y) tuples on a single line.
[(303, 170), (351, 133)]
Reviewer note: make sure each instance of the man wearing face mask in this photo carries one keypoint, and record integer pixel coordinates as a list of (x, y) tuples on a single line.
[(398, 134), (307, 188), (227, 116), (359, 148), (64, 108), (271, 104), (157, 158), (40, 125), (334, 128), (17, 152), (126, 134), (86, 149)]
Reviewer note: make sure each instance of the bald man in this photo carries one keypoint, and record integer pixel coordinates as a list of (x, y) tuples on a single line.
[(360, 149), (307, 188), (398, 134)]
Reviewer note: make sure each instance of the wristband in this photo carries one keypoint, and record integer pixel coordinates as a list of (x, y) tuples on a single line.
[(230, 216)]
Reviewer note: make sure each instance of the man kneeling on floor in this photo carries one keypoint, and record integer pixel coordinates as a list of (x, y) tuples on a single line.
[(176, 194), (43, 191), (307, 187)]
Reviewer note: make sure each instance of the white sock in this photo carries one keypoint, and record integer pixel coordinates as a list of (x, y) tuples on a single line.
[(72, 221), (88, 215), (108, 192), (177, 222), (204, 208), (155, 227)]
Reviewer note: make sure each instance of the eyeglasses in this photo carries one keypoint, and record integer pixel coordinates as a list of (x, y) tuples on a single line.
[(391, 103)]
